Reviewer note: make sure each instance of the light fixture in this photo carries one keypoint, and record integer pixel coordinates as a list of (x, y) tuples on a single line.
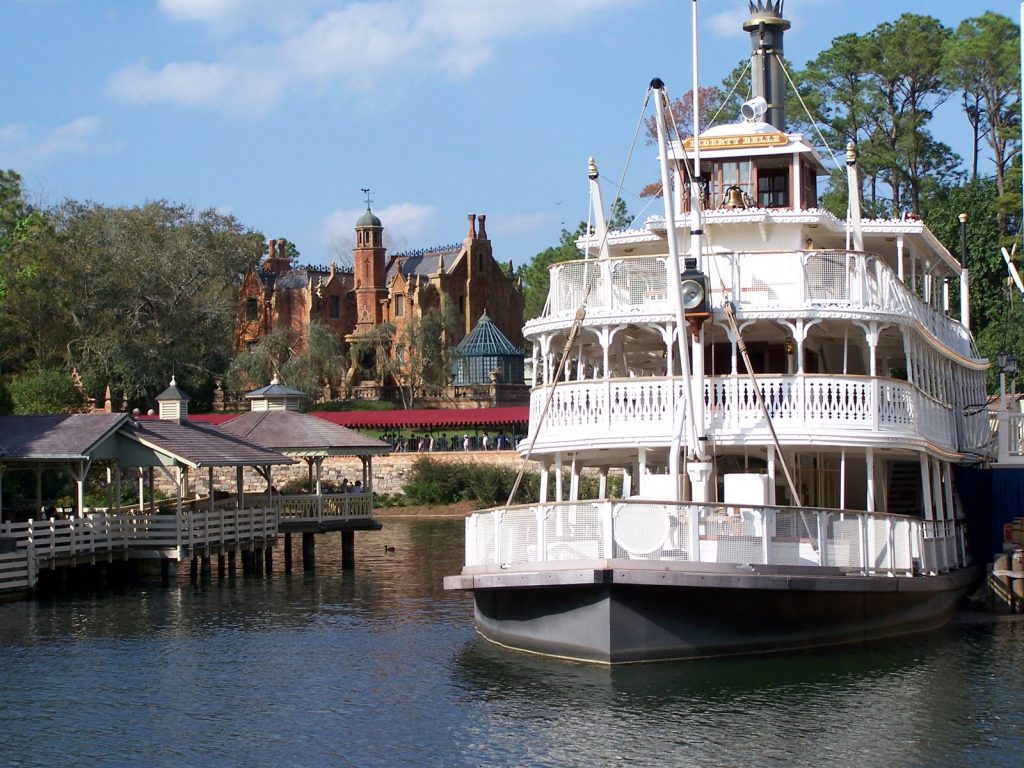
[(1001, 360), (693, 294), (1011, 365)]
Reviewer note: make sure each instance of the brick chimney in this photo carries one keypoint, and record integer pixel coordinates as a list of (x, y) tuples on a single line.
[(471, 232), (482, 234)]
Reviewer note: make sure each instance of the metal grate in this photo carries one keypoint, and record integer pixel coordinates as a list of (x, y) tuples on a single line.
[(640, 282)]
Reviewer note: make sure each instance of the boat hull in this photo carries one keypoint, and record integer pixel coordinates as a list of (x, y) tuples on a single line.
[(619, 615)]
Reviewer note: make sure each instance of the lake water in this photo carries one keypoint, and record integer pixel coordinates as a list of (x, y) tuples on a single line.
[(381, 667)]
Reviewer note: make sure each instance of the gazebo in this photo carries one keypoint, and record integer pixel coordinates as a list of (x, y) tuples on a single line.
[(276, 423), (486, 356)]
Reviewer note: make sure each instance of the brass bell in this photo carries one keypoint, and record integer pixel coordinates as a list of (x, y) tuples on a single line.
[(735, 199)]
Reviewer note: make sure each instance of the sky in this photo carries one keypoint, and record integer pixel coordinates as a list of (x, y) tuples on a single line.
[(280, 112)]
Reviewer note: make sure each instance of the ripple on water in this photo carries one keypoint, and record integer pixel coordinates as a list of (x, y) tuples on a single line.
[(382, 668)]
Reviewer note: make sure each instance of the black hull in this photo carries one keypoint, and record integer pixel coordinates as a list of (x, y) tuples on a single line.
[(617, 618)]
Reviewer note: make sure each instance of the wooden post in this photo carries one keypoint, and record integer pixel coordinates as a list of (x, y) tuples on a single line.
[(231, 564), (287, 553), (165, 571), (220, 565), (268, 560), (205, 566), (308, 551), (257, 562), (193, 568), (348, 550)]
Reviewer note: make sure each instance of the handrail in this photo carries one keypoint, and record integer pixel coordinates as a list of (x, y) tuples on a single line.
[(719, 533), (798, 279)]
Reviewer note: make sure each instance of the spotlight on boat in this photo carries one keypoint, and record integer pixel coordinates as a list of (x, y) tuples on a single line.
[(754, 110)]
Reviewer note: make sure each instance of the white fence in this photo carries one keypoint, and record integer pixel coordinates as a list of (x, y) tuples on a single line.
[(798, 404), (711, 533), (783, 280), (309, 508), (17, 571), (104, 533)]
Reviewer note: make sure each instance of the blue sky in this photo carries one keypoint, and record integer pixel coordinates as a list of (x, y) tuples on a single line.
[(280, 111)]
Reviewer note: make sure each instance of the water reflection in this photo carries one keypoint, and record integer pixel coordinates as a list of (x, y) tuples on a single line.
[(382, 667)]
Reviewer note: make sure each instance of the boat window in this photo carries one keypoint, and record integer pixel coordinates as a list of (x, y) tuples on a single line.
[(773, 187), (728, 174)]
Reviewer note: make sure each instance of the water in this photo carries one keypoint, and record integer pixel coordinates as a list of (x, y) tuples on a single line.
[(382, 668)]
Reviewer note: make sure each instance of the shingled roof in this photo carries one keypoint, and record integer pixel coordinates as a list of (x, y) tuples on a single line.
[(202, 445), (299, 434), (61, 437)]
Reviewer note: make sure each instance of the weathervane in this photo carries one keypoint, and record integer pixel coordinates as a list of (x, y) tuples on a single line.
[(366, 191)]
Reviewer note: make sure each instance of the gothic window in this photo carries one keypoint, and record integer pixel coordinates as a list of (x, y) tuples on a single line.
[(251, 309), (399, 305), (335, 307)]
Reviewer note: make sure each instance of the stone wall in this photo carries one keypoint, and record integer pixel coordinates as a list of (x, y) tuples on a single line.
[(389, 472)]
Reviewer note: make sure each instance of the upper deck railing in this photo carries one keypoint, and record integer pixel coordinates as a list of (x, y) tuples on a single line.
[(789, 281), (847, 408)]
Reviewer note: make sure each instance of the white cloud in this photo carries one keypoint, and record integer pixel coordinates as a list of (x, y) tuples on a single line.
[(357, 44), (727, 24), (23, 147), (403, 222)]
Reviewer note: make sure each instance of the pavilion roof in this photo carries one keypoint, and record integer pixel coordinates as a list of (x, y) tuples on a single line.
[(300, 434), (70, 436)]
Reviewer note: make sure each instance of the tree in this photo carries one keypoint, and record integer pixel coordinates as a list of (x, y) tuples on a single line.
[(320, 365), (371, 354), (314, 364), (142, 292), (680, 113), (905, 60), (982, 61), (46, 390), (536, 277)]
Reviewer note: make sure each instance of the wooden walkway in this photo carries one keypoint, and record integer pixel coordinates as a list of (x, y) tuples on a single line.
[(173, 535)]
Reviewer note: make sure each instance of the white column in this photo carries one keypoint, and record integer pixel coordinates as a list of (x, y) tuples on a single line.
[(558, 478), (574, 480), (771, 474), (602, 483), (899, 257), (869, 459), (926, 487), (544, 480)]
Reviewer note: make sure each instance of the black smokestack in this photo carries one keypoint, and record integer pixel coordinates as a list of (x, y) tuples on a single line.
[(766, 27)]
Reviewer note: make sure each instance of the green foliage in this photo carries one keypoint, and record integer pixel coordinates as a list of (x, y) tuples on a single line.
[(6, 401), (309, 365), (982, 61), (536, 277), (356, 405), (46, 390), (433, 482)]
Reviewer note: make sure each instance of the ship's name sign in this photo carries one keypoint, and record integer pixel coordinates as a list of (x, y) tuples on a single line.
[(738, 142)]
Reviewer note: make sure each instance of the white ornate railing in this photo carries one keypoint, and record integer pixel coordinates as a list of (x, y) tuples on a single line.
[(327, 507), (710, 533), (791, 281), (582, 411)]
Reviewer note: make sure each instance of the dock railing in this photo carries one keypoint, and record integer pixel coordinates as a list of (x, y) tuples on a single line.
[(313, 508), (853, 541)]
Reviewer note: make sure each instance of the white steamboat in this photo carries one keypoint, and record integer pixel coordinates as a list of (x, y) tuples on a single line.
[(784, 396)]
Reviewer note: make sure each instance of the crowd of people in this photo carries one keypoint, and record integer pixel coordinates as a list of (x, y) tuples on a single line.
[(429, 442)]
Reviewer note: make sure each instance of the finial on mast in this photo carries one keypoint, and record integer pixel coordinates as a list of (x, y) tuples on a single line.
[(366, 191)]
